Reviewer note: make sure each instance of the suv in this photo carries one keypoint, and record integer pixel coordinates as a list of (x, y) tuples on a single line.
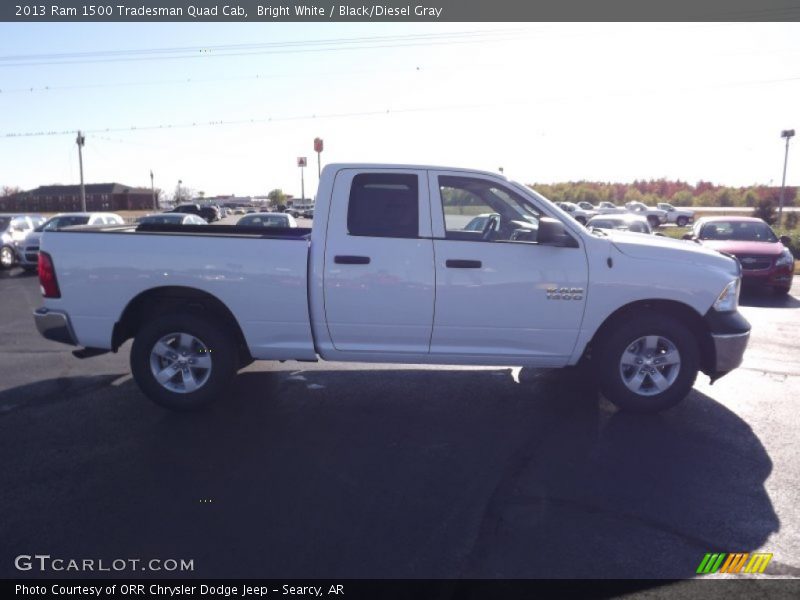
[(13, 231), (765, 261), (29, 249)]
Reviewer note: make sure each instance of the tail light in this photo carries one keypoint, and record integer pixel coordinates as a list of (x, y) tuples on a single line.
[(47, 277)]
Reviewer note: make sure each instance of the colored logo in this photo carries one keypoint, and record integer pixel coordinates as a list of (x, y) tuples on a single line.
[(737, 562)]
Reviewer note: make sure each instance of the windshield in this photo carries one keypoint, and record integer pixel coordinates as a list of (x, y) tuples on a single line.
[(4, 221), (739, 231), (65, 221)]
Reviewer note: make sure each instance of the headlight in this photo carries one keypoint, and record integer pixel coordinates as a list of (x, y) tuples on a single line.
[(728, 300), (786, 259)]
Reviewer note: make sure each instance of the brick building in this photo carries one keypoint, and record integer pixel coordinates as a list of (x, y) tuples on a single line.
[(67, 198)]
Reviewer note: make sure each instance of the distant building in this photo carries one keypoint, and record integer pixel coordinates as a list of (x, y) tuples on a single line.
[(67, 198)]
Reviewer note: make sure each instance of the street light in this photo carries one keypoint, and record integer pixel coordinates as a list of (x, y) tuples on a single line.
[(787, 134)]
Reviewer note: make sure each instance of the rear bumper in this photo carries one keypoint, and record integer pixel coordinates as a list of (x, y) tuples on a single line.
[(55, 326), (730, 333)]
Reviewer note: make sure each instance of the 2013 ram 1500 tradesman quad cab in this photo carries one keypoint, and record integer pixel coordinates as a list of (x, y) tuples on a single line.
[(392, 273)]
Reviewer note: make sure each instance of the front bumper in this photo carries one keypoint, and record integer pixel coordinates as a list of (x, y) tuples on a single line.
[(55, 326), (730, 333)]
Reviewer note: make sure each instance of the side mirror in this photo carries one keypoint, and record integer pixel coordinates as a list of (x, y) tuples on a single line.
[(552, 233), (786, 240), (687, 236)]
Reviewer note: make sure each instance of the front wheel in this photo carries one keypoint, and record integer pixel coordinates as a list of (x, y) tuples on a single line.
[(682, 221), (183, 361), (7, 257), (648, 364)]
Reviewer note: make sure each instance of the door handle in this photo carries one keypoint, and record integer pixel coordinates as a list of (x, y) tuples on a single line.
[(463, 264), (351, 260)]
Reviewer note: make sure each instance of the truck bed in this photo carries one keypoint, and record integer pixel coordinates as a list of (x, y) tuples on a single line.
[(261, 276)]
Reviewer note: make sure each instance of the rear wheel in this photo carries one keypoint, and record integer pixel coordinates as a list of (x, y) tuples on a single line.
[(183, 361), (648, 364), (7, 257), (654, 222), (682, 221)]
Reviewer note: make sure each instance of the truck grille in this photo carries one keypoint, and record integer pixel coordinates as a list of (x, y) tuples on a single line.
[(755, 263)]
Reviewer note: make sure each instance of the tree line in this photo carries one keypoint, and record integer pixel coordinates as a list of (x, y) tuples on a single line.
[(678, 193)]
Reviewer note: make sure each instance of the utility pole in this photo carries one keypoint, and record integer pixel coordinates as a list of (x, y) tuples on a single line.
[(787, 134), (81, 140), (153, 191)]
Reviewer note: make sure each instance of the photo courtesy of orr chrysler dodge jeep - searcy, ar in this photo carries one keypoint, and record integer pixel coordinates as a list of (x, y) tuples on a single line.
[(392, 271)]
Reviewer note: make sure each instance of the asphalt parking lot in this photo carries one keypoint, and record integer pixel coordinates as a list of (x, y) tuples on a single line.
[(336, 470)]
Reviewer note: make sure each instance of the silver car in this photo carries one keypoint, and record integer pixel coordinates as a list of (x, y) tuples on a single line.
[(14, 228), (28, 253)]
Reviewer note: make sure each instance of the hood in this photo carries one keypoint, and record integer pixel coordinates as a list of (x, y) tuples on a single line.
[(661, 248), (739, 248)]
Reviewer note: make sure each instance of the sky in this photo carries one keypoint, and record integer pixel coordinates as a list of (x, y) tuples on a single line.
[(546, 102)]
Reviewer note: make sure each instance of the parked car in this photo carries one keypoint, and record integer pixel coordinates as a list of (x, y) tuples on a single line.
[(626, 222), (765, 261), (29, 251), (14, 228), (680, 216), (209, 213), (608, 208), (655, 216), (292, 211), (307, 213), (171, 218), (267, 219), (579, 214), (394, 277)]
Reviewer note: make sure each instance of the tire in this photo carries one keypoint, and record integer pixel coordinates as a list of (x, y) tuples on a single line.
[(170, 344), (654, 222), (681, 221), (7, 257), (782, 291), (647, 387), (581, 220)]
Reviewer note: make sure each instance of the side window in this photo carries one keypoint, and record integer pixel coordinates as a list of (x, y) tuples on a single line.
[(482, 210), (384, 205)]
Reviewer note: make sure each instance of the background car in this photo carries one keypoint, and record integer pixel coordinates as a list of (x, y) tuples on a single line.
[(172, 219), (765, 261), (622, 222), (29, 253), (680, 216), (209, 213), (267, 219), (14, 228), (655, 216), (578, 213)]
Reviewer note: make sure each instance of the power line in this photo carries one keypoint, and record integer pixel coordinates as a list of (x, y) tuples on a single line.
[(333, 45), (368, 113)]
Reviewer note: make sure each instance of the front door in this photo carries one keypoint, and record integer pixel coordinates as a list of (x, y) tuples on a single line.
[(499, 294)]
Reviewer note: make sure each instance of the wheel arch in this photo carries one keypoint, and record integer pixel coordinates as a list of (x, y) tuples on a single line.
[(694, 321), (156, 301)]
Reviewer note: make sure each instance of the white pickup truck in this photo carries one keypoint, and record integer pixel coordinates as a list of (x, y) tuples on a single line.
[(392, 273)]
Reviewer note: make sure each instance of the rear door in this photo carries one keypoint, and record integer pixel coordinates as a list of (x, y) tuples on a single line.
[(379, 271)]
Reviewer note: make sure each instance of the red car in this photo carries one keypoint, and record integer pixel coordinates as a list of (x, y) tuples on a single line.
[(765, 261)]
